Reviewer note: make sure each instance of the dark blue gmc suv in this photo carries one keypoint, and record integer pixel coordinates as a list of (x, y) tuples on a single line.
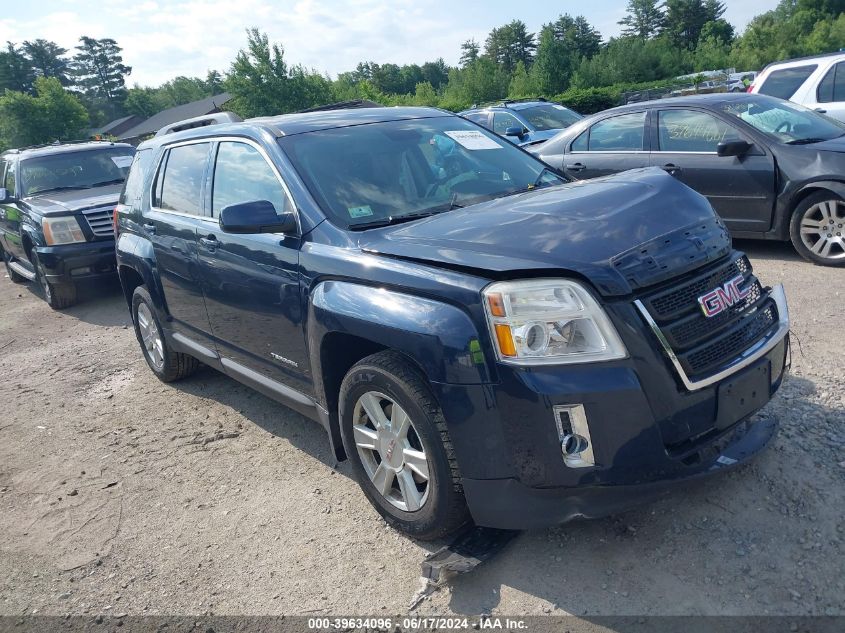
[(484, 341)]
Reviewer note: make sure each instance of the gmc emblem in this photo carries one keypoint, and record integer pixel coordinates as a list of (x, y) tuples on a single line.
[(722, 298)]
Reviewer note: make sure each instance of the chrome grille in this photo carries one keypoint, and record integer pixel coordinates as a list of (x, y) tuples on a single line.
[(702, 345), (100, 221)]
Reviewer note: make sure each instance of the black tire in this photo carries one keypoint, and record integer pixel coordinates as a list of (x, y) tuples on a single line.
[(15, 277), (57, 296), (174, 365), (443, 510), (808, 212)]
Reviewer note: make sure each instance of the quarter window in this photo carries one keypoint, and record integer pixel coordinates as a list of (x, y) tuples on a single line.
[(784, 82), (479, 117), (623, 133), (832, 87), (179, 184), (241, 174), (580, 143), (502, 121), (691, 131)]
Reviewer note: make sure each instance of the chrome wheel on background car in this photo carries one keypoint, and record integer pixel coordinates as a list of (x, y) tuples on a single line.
[(150, 336), (391, 451), (818, 229)]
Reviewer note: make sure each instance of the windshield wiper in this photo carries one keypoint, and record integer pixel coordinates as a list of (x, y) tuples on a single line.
[(114, 181), (538, 183), (64, 188), (391, 220), (806, 141)]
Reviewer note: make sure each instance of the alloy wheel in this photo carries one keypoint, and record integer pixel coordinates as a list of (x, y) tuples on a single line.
[(391, 451), (150, 335), (823, 229)]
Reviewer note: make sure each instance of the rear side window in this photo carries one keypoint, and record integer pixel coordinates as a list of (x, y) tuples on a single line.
[(480, 118), (179, 183), (784, 82), (622, 133), (134, 184), (241, 174), (502, 121), (832, 87)]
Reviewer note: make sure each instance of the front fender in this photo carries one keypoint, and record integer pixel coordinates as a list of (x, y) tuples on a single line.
[(784, 215), (439, 337)]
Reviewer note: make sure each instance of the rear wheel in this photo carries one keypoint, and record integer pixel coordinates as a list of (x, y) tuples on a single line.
[(817, 229), (166, 364), (58, 296), (397, 441)]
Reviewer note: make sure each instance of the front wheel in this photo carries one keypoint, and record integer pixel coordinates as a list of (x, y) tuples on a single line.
[(396, 438), (58, 296), (817, 229)]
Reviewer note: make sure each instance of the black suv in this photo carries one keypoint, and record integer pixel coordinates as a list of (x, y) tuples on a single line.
[(56, 213), (481, 339)]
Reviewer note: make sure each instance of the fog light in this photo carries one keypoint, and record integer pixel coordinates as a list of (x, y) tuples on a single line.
[(574, 435)]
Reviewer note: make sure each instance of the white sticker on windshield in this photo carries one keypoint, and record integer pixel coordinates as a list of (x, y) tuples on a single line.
[(473, 139), (360, 212), (121, 161), (559, 107)]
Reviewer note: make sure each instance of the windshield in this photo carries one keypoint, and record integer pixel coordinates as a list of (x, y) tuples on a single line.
[(787, 122), (379, 173), (75, 170), (550, 117)]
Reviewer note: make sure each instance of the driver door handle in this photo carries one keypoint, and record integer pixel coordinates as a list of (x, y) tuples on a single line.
[(210, 242), (671, 168), (575, 167), (150, 228)]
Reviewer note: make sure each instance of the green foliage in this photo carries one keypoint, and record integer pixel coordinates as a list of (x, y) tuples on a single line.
[(469, 52), (16, 71), (510, 44), (589, 100), (48, 60), (99, 72), (51, 114), (644, 19)]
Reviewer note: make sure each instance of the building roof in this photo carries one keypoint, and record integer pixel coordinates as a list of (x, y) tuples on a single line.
[(178, 113), (117, 126)]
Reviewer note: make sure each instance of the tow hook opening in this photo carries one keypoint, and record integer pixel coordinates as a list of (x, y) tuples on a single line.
[(574, 435)]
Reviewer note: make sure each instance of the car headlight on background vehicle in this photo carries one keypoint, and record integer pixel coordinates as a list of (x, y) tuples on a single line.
[(62, 230), (548, 322)]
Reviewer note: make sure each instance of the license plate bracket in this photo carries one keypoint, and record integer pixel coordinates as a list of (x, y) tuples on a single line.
[(744, 393)]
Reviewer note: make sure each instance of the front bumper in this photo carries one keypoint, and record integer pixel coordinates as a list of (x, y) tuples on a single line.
[(649, 430), (67, 263)]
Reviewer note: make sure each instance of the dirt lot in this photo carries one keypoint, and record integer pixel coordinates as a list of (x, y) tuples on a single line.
[(119, 494)]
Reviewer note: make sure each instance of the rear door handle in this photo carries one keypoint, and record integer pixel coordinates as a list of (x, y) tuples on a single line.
[(209, 242), (672, 169), (575, 167), (150, 228)]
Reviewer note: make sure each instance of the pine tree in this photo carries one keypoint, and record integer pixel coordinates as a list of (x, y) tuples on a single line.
[(645, 19), (48, 60), (99, 71)]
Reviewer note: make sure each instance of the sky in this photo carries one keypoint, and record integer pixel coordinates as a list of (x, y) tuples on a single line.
[(162, 39)]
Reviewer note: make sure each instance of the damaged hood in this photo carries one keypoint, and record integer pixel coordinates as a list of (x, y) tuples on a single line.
[(621, 232), (72, 200)]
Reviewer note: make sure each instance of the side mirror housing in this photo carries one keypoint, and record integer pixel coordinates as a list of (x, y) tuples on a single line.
[(733, 148), (4, 194), (516, 130), (257, 216)]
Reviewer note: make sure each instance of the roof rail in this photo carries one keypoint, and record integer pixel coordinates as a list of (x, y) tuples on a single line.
[(200, 121), (344, 105), (58, 143), (503, 103)]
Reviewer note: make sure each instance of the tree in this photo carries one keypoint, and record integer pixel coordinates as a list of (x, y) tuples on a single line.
[(100, 73), (15, 70), (436, 73), (51, 114), (214, 82), (685, 19), (48, 60), (469, 52), (644, 19), (563, 44), (506, 45), (263, 84), (522, 84)]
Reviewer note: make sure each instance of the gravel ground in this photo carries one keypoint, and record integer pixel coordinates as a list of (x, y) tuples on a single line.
[(119, 494)]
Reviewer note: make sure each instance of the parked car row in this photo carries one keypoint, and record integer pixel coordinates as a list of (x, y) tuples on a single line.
[(482, 339)]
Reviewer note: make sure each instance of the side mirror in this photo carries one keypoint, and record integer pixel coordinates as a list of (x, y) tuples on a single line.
[(4, 194), (257, 216), (516, 130), (733, 148)]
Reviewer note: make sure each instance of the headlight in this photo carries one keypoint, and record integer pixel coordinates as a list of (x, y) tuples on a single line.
[(63, 230), (549, 322)]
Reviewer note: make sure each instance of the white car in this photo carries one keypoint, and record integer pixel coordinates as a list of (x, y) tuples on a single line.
[(815, 82)]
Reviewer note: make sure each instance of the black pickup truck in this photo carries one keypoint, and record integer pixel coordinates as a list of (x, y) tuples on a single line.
[(482, 340), (56, 214)]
